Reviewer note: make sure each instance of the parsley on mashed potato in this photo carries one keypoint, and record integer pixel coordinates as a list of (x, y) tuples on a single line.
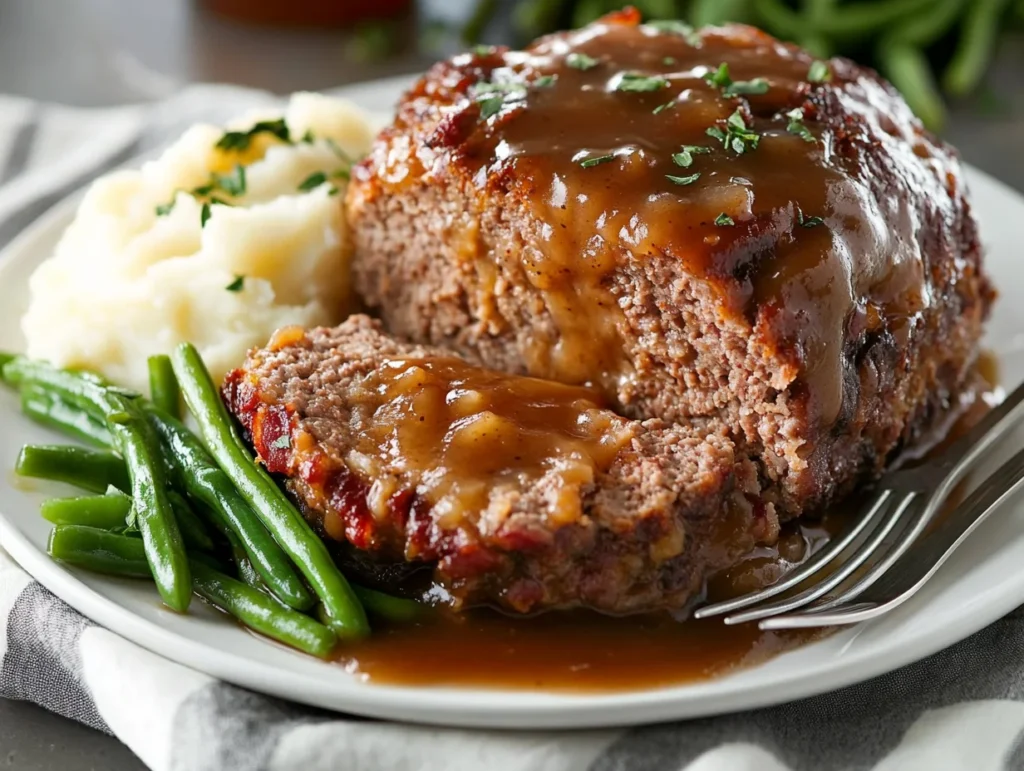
[(228, 236)]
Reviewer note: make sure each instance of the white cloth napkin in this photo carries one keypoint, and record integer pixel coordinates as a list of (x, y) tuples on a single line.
[(960, 709)]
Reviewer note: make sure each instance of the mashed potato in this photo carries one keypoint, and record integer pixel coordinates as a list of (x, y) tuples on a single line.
[(217, 245)]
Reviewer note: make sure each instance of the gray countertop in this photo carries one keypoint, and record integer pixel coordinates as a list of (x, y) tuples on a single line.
[(105, 52)]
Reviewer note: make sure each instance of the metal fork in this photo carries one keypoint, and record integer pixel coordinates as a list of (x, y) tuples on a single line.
[(903, 504)]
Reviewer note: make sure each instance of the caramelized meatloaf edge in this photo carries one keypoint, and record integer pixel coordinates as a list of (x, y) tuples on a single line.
[(675, 504)]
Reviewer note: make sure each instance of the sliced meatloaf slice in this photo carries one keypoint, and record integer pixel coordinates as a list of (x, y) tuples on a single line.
[(700, 224), (516, 492)]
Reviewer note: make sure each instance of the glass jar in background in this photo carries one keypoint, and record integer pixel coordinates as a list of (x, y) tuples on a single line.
[(309, 13)]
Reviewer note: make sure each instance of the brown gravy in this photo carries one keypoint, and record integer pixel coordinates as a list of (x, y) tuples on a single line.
[(588, 652), (568, 652), (465, 431)]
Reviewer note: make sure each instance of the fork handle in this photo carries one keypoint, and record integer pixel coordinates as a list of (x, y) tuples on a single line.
[(909, 574)]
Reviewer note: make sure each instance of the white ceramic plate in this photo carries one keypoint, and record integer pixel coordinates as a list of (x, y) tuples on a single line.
[(982, 582)]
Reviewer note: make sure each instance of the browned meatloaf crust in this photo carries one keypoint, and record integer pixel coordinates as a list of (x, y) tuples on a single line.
[(672, 504), (816, 288)]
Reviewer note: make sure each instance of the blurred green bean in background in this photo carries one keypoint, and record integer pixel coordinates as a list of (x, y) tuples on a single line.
[(930, 50)]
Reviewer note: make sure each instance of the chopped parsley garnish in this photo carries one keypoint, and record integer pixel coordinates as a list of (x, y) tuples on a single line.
[(724, 220), (668, 61), (484, 50), (807, 222), (683, 180), (491, 106), (743, 87), (338, 151), (282, 442), (676, 27), (240, 140), (308, 138), (317, 178), (819, 72), (580, 61), (233, 183), (662, 107), (736, 136), (596, 161), (204, 213), (492, 96), (684, 157), (718, 78), (796, 125), (237, 285), (313, 181), (545, 81), (165, 208), (634, 81)]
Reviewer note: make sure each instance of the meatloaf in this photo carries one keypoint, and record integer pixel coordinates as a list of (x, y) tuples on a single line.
[(517, 492), (704, 226)]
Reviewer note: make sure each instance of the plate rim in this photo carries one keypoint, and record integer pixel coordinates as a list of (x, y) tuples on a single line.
[(484, 707)]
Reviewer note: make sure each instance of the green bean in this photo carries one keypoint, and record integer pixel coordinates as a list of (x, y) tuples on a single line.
[(908, 70), (818, 46), (138, 445), (387, 606), (102, 511), (481, 14), (197, 473), (106, 552), (112, 510), (193, 531), (163, 385), (863, 19), (50, 410), (975, 48), (93, 470), (247, 573), (276, 512), (4, 358), (99, 550), (239, 559), (816, 43), (781, 20), (586, 11), (858, 20), (535, 17), (262, 613), (924, 29), (704, 12)]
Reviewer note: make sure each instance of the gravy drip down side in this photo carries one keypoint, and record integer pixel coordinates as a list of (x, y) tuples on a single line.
[(468, 435)]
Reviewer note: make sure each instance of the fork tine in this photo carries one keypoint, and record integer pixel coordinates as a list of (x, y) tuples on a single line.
[(808, 568), (857, 559), (933, 550), (966, 451), (876, 571)]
